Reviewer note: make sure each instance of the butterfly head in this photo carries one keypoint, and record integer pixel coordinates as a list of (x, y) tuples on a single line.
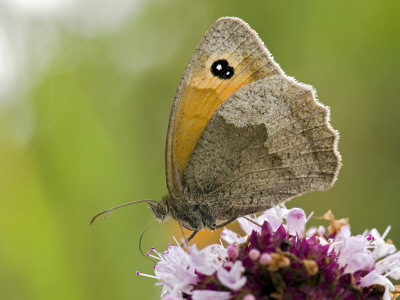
[(188, 214), (161, 209)]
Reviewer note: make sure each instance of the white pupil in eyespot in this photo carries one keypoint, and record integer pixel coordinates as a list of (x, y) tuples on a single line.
[(219, 67)]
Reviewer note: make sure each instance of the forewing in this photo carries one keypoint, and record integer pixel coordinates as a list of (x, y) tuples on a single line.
[(200, 92), (268, 142)]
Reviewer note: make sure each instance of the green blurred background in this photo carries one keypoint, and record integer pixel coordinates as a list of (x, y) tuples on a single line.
[(86, 89)]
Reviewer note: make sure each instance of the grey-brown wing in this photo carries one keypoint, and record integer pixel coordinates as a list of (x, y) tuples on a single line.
[(200, 92), (268, 142)]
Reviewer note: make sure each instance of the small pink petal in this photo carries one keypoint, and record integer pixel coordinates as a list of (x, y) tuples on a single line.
[(231, 237), (228, 264), (360, 261), (233, 278)]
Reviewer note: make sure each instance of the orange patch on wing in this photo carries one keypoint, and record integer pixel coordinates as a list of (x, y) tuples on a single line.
[(200, 99)]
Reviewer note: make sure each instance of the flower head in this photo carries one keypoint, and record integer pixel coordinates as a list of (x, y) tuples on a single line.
[(280, 259)]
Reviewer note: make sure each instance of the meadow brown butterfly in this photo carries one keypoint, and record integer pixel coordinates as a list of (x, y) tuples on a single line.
[(242, 136)]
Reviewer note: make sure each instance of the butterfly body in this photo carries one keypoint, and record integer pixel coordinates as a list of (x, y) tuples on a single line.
[(243, 136)]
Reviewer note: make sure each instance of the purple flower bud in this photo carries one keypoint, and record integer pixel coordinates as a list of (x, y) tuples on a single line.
[(233, 252), (249, 297), (296, 221), (254, 254), (265, 259)]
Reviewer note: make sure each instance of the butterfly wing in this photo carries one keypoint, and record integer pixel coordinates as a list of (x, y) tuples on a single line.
[(268, 142), (203, 88)]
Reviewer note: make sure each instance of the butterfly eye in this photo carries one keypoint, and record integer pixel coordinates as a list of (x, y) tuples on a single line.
[(222, 69)]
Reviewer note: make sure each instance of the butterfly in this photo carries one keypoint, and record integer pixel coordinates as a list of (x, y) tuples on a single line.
[(242, 136)]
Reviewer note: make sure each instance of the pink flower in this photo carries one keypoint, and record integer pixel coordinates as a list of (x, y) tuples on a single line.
[(354, 254), (379, 245), (232, 279), (390, 265), (175, 271), (207, 260)]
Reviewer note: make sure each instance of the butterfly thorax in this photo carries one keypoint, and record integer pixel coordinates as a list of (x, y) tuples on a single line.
[(187, 212)]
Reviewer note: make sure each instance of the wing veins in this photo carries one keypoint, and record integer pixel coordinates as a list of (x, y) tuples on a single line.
[(258, 171)]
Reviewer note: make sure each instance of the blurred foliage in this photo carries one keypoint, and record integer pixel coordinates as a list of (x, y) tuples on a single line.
[(90, 134)]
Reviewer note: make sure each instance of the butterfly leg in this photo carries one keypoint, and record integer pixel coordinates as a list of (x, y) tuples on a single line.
[(187, 240), (191, 236), (225, 223)]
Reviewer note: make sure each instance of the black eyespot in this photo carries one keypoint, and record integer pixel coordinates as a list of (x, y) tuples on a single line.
[(222, 69)]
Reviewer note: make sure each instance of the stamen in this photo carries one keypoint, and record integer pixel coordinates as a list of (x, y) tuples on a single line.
[(386, 232), (309, 217), (146, 275)]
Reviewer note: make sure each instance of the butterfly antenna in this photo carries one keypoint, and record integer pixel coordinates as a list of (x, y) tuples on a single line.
[(140, 241), (108, 211)]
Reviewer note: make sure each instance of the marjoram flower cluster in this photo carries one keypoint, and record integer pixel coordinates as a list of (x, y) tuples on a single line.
[(279, 259)]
